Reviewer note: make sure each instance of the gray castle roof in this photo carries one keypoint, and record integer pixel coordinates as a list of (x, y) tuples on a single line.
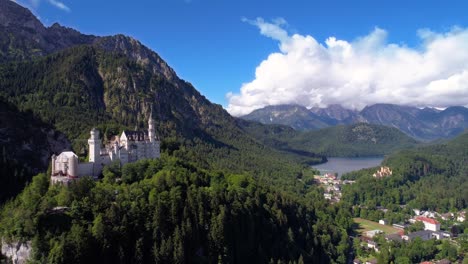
[(136, 135)]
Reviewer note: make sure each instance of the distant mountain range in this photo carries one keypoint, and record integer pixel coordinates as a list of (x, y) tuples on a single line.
[(423, 124)]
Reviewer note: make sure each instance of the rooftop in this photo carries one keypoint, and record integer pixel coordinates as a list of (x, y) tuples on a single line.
[(427, 220)]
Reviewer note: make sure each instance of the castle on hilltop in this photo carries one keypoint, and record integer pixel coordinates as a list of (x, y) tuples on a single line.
[(129, 147), (383, 172)]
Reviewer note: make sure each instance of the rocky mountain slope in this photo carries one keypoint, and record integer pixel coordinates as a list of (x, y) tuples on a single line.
[(75, 82), (423, 124), (295, 116), (26, 143)]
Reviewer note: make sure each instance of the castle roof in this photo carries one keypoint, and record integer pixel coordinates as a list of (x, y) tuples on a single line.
[(136, 135), (67, 154)]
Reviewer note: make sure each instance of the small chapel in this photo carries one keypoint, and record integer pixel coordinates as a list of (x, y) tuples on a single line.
[(129, 147)]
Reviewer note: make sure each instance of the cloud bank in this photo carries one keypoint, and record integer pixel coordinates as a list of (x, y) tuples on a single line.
[(357, 73)]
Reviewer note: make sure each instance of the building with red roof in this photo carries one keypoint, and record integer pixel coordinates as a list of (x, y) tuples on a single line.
[(429, 223)]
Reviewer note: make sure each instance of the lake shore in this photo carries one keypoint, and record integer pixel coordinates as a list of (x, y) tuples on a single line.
[(345, 165)]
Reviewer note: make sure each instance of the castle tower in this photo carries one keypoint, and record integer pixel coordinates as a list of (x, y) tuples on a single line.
[(151, 133), (54, 158), (73, 166), (94, 146)]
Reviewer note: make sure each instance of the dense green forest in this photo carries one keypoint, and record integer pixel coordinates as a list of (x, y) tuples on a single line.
[(429, 178), (358, 140), (170, 211)]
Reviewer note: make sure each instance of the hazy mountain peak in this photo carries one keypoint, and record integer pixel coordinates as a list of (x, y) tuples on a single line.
[(426, 123), (336, 112), (13, 14)]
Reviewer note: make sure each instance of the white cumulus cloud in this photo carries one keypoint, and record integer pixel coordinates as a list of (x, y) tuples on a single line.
[(34, 4), (59, 5), (357, 73)]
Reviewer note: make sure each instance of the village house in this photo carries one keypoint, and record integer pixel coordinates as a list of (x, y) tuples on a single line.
[(384, 222), (372, 233), (461, 216), (372, 245), (393, 237), (447, 216), (429, 223), (424, 235)]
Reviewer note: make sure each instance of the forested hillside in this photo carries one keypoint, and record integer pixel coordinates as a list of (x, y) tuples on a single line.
[(218, 194), (357, 140), (25, 145), (169, 211), (114, 83), (432, 177)]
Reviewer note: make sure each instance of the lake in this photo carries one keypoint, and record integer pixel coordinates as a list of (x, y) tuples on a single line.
[(344, 165)]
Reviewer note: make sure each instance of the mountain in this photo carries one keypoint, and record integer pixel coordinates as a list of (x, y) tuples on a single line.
[(423, 124), (216, 195), (295, 116), (336, 114), (74, 82), (402, 117), (357, 140), (26, 143), (25, 37)]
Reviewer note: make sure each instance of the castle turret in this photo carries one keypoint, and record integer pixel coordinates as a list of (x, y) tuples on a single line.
[(73, 166), (54, 158), (94, 146), (151, 133)]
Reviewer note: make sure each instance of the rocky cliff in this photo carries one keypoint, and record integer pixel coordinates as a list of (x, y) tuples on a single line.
[(16, 252)]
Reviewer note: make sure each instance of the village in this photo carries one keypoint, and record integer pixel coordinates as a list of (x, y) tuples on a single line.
[(332, 185), (371, 235), (422, 225)]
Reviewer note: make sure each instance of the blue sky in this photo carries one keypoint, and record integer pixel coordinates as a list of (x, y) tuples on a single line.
[(209, 45)]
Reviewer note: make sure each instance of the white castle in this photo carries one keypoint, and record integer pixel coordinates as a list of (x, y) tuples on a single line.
[(129, 147)]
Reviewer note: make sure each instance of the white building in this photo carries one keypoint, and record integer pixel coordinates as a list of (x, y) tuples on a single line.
[(383, 221), (461, 216), (429, 223), (129, 147)]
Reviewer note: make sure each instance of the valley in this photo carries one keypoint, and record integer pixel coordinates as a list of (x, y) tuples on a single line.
[(259, 188)]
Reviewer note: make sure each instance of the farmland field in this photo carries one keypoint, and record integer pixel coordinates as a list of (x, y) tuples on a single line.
[(364, 225)]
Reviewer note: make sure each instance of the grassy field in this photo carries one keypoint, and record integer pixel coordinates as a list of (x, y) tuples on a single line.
[(364, 225)]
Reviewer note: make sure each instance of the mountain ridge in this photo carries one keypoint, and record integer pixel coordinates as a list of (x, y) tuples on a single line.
[(115, 83), (423, 124)]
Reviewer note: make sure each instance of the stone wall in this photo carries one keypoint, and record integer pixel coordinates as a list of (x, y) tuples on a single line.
[(17, 252)]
